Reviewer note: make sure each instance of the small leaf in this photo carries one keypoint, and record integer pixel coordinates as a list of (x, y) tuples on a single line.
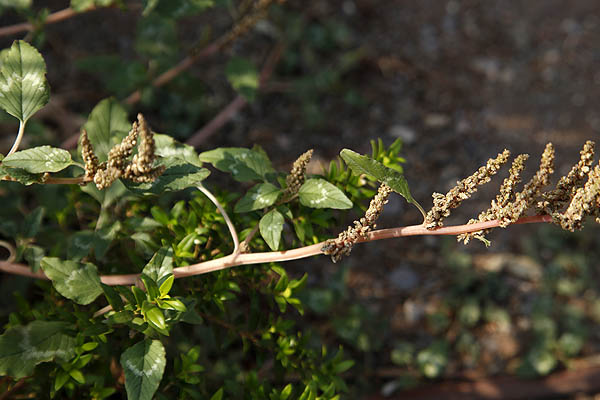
[(139, 294), (77, 375), (23, 85), (243, 164), (150, 285), (155, 316), (144, 365), (271, 226), (160, 265), (76, 281), (166, 285), (62, 377), (318, 193), (243, 77), (20, 175), (32, 222), (259, 196), (343, 366), (39, 159), (365, 165), (218, 395), (112, 297), (178, 175), (23, 347), (106, 126), (174, 304)]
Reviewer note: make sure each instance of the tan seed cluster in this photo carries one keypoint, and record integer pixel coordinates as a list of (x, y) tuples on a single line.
[(296, 177), (442, 204), (585, 202), (139, 169), (342, 245)]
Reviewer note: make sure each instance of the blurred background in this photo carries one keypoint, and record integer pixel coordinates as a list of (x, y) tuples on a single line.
[(456, 81)]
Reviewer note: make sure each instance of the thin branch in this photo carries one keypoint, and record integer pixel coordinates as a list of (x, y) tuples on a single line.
[(237, 104), (52, 181), (12, 254), (17, 142), (50, 19), (232, 231), (234, 260)]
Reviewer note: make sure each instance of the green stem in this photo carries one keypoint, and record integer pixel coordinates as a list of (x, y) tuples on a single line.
[(15, 146)]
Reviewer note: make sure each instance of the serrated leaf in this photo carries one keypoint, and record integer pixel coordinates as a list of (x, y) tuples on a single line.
[(243, 77), (23, 347), (160, 265), (23, 85), (144, 365), (271, 226), (39, 159), (318, 193), (106, 126), (167, 147), (365, 165), (76, 281), (243, 164), (178, 175), (259, 196)]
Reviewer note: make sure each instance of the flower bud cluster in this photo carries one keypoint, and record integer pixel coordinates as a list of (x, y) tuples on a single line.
[(139, 169), (342, 245), (296, 177), (442, 204)]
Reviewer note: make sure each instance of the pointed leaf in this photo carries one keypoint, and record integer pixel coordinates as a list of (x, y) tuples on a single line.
[(178, 175), (113, 297), (365, 165), (144, 365), (23, 347), (23, 85), (259, 196), (167, 147), (166, 285), (271, 226), (243, 164), (39, 159), (151, 286), (106, 126), (218, 395), (160, 265), (318, 193), (76, 281)]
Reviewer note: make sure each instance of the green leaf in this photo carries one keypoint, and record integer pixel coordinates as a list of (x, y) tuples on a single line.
[(155, 316), (16, 4), (23, 347), (77, 375), (32, 222), (112, 296), (107, 196), (144, 365), (39, 159), (23, 85), (160, 265), (243, 77), (271, 226), (365, 165), (178, 175), (318, 193), (150, 285), (343, 366), (62, 377), (167, 147), (218, 395), (259, 196), (84, 5), (166, 285), (76, 281), (103, 238), (106, 126), (243, 164), (20, 175), (174, 304)]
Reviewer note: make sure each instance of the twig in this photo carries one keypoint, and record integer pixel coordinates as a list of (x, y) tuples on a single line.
[(237, 104), (232, 231), (12, 390), (234, 260), (50, 19), (12, 254)]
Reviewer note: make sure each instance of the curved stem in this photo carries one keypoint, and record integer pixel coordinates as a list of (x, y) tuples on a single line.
[(234, 259), (17, 142), (232, 231), (12, 254)]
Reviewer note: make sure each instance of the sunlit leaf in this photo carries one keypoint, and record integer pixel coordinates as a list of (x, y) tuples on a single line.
[(271, 226), (76, 281), (144, 365), (318, 193), (39, 159), (259, 196)]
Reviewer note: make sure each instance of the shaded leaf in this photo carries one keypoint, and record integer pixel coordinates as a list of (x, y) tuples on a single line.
[(106, 126), (23, 85), (39, 159), (23, 347), (243, 164), (243, 77), (160, 265), (178, 175), (318, 193), (76, 281), (259, 196), (20, 175), (144, 365), (167, 147), (271, 226)]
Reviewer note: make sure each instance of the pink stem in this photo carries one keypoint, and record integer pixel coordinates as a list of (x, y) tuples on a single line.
[(234, 260)]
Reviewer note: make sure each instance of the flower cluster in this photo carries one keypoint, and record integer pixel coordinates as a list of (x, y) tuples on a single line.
[(139, 169), (296, 177), (342, 245)]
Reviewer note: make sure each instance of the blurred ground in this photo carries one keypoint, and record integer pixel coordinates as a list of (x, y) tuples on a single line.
[(457, 81)]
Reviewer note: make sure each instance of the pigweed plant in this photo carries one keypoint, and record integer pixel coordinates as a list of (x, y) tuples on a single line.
[(123, 293)]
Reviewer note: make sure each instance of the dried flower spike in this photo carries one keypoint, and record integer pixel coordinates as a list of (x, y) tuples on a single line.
[(89, 157), (442, 204), (141, 167), (342, 245), (296, 177), (584, 203)]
